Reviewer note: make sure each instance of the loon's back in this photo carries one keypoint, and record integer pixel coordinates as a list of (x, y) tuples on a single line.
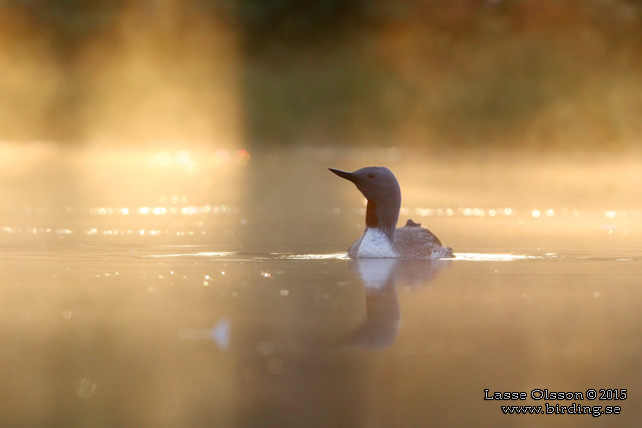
[(412, 241)]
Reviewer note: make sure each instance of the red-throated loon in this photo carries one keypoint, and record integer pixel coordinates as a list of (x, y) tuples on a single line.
[(382, 239)]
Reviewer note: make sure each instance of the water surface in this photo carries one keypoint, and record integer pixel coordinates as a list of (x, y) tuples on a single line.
[(221, 295)]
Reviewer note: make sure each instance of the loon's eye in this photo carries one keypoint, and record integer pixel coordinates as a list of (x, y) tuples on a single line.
[(371, 175)]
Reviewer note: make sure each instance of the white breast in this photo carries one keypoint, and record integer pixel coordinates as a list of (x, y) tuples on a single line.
[(376, 245)]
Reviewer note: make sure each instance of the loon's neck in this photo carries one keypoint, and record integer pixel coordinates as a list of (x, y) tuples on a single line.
[(383, 217), (378, 240)]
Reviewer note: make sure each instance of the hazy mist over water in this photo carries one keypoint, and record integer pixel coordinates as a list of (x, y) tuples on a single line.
[(287, 197), (507, 74), (172, 245)]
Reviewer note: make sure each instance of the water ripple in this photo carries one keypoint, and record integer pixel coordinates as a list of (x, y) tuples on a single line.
[(481, 257)]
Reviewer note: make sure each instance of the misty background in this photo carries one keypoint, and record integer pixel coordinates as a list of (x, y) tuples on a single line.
[(164, 182), (438, 74)]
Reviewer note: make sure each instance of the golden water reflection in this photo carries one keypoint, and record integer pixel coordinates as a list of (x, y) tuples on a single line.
[(186, 290)]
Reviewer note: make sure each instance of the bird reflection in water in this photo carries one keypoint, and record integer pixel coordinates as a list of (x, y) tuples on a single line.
[(380, 278)]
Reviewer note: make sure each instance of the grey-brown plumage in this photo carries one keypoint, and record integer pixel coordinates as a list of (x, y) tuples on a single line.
[(382, 239), (412, 241)]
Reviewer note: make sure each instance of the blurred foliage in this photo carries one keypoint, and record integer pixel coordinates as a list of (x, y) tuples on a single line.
[(296, 23), (526, 73), (535, 74)]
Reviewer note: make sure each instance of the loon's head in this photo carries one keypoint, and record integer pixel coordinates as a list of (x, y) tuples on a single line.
[(380, 187)]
